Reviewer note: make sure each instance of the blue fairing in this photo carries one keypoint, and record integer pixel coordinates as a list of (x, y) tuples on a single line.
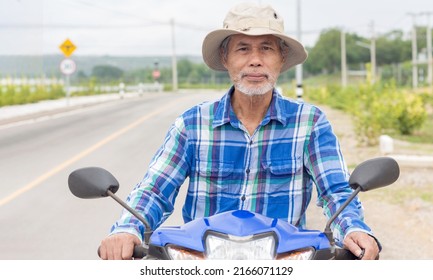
[(239, 223)]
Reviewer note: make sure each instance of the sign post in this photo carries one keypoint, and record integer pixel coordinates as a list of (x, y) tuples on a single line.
[(67, 65)]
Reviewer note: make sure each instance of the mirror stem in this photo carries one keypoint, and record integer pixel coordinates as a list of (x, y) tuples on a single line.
[(148, 231), (328, 231)]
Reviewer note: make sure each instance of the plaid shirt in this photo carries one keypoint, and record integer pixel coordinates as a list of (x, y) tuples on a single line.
[(271, 172)]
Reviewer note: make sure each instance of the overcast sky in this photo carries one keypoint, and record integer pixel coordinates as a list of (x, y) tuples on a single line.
[(142, 27)]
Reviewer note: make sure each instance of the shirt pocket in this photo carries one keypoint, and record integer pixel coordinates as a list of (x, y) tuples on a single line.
[(282, 167), (217, 179), (281, 175), (215, 169)]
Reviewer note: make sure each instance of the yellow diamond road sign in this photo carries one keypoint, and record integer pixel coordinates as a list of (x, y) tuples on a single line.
[(67, 47)]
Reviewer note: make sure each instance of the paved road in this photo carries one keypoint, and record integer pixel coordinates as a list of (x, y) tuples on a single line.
[(39, 217)]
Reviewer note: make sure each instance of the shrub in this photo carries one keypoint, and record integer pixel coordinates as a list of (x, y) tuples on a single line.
[(376, 109), (14, 95), (413, 114)]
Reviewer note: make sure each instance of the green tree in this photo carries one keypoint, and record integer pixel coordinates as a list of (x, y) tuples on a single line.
[(107, 73), (142, 75), (392, 48), (325, 56)]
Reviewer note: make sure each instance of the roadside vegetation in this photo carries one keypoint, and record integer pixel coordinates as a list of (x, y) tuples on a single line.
[(12, 94), (379, 109)]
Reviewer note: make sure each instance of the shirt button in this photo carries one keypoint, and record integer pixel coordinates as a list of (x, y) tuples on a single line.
[(248, 171), (243, 198)]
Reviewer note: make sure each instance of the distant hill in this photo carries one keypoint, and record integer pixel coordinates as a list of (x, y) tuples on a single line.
[(18, 66)]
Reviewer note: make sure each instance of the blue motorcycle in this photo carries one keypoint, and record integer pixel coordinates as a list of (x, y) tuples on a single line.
[(238, 234)]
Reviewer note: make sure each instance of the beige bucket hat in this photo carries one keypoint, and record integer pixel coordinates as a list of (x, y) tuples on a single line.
[(253, 20)]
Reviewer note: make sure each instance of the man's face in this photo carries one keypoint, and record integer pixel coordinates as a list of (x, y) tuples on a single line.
[(254, 63)]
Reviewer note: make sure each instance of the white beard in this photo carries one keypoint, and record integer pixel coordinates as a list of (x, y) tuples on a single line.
[(254, 91)]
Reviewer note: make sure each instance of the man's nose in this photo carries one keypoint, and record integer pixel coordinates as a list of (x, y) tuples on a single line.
[(256, 58)]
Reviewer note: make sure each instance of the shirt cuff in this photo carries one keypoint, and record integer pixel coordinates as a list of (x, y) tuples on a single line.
[(367, 232), (130, 230)]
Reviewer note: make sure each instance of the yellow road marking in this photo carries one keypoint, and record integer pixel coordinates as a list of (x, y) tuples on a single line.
[(84, 153)]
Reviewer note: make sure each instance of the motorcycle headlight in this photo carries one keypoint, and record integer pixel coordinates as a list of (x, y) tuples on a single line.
[(253, 247), (181, 253), (303, 254)]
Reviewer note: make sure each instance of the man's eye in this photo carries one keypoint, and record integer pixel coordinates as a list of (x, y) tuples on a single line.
[(243, 49), (266, 48)]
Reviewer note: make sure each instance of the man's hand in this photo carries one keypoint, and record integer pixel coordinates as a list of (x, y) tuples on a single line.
[(362, 245), (118, 246)]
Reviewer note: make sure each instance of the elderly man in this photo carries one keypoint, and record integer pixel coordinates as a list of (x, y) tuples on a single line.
[(253, 149)]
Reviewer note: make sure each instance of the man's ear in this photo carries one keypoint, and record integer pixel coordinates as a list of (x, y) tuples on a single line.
[(284, 55), (223, 58)]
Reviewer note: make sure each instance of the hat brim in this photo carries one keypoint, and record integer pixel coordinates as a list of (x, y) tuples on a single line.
[(212, 42)]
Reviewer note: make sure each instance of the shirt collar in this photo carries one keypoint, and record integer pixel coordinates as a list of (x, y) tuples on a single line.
[(224, 113)]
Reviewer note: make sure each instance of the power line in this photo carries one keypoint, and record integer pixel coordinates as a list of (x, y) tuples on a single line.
[(75, 26), (118, 12), (151, 21)]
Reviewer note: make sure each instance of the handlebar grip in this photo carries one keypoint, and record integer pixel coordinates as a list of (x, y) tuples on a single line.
[(344, 254), (138, 253)]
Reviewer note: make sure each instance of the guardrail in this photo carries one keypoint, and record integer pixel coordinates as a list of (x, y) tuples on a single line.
[(32, 83), (122, 88)]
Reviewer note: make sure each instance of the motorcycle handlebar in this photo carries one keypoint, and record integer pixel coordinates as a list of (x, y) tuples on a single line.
[(340, 254), (138, 253), (344, 254)]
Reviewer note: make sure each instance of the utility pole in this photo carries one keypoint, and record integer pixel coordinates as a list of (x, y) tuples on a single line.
[(299, 88), (429, 51), (173, 58), (372, 48), (414, 54), (343, 59), (373, 54)]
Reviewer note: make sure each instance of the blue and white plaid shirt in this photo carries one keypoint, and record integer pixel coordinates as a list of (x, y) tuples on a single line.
[(271, 172)]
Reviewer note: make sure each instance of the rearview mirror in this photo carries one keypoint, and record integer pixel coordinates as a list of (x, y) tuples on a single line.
[(374, 173), (92, 182)]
